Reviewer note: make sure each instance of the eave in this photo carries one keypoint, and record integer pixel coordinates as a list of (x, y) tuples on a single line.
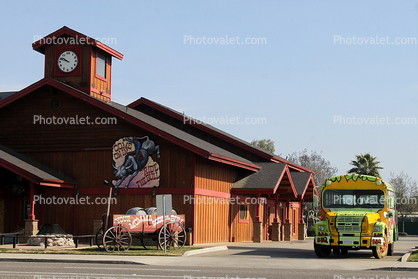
[(131, 119), (35, 178), (215, 133), (40, 44)]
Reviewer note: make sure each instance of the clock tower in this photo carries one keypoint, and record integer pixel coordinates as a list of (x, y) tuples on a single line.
[(78, 61)]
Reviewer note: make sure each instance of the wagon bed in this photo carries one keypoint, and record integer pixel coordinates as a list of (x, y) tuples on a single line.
[(148, 228)]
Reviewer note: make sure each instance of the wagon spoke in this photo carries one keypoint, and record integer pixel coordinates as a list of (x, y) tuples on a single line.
[(181, 241), (111, 232), (125, 238), (126, 242), (175, 236), (178, 225), (167, 229), (117, 238)]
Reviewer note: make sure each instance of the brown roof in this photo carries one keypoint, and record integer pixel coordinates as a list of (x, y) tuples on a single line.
[(266, 178), (300, 180), (31, 170)]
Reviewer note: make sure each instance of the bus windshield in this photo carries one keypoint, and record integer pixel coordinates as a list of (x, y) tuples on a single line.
[(349, 198)]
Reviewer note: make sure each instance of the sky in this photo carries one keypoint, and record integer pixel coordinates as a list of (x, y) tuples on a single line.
[(337, 77)]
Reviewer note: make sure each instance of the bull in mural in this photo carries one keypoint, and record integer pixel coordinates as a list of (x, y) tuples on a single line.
[(135, 161)]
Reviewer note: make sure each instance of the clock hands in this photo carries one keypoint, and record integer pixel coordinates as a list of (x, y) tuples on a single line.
[(64, 60)]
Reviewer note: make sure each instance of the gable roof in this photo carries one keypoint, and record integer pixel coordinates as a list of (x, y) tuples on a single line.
[(31, 170), (267, 177), (273, 178), (216, 132), (214, 152), (301, 181), (80, 38), (155, 126)]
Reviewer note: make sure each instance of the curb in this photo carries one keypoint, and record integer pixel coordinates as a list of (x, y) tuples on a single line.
[(405, 257), (68, 261), (205, 250)]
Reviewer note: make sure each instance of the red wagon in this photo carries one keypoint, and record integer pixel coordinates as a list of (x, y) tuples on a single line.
[(148, 228)]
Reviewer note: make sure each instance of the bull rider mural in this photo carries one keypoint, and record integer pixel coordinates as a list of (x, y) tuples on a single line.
[(133, 164)]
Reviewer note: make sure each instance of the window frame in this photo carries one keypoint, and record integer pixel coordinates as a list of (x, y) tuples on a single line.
[(247, 215), (98, 53)]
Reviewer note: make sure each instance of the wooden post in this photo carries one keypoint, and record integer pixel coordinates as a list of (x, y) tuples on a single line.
[(287, 211), (301, 212), (108, 209), (31, 215), (276, 208), (257, 214)]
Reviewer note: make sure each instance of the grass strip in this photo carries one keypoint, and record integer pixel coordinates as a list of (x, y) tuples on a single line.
[(413, 257), (133, 251)]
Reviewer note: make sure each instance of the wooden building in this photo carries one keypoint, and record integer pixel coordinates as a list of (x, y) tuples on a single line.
[(62, 137)]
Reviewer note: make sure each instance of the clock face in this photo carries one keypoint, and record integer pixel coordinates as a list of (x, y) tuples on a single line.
[(67, 61)]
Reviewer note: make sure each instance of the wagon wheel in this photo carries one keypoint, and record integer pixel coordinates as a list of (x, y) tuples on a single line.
[(117, 238), (175, 236), (148, 242), (99, 238)]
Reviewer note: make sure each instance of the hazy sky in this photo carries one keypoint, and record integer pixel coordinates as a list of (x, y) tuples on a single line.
[(330, 76)]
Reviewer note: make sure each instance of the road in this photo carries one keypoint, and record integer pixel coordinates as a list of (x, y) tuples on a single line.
[(241, 260), (36, 270)]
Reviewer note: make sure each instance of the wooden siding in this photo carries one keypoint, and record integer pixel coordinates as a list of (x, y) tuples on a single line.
[(84, 154), (214, 176), (244, 231), (86, 213), (212, 219), (91, 167), (101, 85), (20, 133), (77, 81), (212, 213)]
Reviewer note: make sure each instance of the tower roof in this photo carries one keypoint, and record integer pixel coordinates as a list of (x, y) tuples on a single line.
[(71, 38)]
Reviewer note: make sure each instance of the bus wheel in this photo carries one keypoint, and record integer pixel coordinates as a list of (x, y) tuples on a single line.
[(380, 252), (336, 251), (344, 251), (391, 249), (322, 251)]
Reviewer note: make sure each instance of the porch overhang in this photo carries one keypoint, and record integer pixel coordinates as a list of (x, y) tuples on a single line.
[(31, 170)]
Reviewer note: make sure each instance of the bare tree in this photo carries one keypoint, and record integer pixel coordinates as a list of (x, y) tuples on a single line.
[(314, 162), (406, 195), (323, 170)]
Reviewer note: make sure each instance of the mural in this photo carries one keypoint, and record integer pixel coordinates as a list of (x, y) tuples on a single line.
[(354, 177), (133, 164)]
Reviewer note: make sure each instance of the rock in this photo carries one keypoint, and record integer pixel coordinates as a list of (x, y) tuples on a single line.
[(52, 240)]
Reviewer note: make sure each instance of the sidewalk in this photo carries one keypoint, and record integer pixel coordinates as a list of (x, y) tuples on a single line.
[(286, 255)]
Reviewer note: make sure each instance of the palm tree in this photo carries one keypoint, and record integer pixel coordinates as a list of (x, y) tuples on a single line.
[(366, 165)]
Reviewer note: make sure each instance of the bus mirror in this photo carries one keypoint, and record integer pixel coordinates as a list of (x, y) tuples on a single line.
[(390, 214), (315, 201), (391, 202)]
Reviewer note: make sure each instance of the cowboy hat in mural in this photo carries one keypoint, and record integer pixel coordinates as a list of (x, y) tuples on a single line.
[(133, 164)]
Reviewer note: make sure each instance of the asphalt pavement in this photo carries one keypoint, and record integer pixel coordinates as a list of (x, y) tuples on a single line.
[(296, 255)]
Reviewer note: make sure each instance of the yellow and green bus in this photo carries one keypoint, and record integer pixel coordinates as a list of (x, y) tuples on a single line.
[(357, 212)]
